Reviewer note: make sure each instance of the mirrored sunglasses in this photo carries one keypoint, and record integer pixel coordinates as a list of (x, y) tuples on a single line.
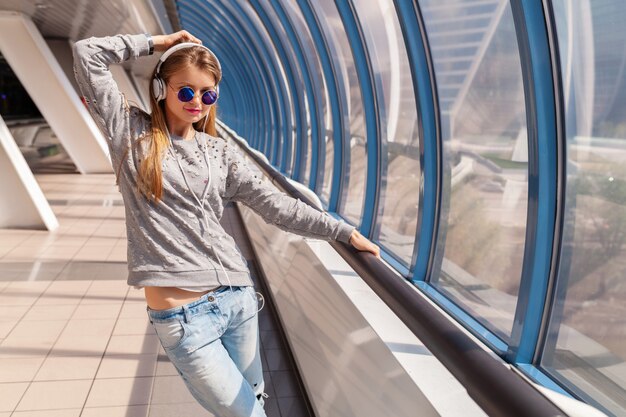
[(186, 94)]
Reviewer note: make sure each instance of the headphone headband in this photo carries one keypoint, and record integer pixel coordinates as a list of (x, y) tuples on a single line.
[(180, 46)]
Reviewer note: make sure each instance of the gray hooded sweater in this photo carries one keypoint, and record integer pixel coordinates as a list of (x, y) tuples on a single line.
[(169, 243)]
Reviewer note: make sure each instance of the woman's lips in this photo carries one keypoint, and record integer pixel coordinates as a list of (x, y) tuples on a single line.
[(193, 111)]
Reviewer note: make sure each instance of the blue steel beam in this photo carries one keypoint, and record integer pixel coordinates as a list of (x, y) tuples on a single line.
[(227, 64), (247, 25), (289, 67), (236, 64), (258, 118), (370, 99), (337, 96), (259, 93), (539, 87), (313, 99), (426, 99)]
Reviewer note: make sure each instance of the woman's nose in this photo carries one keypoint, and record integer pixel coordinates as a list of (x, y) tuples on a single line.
[(197, 100)]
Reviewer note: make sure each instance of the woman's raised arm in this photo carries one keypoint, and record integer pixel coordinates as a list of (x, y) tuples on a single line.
[(100, 93)]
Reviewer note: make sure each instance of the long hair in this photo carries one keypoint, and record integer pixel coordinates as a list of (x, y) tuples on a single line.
[(150, 177)]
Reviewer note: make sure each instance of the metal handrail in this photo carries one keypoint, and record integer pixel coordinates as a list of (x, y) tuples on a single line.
[(498, 390)]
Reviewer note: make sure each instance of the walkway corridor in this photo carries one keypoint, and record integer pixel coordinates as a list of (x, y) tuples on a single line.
[(74, 337)]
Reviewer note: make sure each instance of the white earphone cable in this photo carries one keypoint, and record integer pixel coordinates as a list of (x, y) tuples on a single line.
[(201, 203)]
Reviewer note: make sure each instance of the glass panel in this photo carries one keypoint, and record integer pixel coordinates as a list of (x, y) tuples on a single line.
[(319, 83), (297, 72), (352, 198), (400, 170), (262, 31), (479, 254), (586, 344)]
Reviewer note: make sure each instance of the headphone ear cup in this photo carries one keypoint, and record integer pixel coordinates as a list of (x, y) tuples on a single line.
[(158, 89), (155, 88)]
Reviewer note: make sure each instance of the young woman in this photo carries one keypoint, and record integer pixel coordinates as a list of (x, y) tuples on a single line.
[(175, 174)]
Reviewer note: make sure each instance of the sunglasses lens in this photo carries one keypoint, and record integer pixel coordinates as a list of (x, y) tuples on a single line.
[(185, 94), (209, 97)]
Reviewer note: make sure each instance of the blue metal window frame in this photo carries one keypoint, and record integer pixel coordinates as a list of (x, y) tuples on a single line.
[(426, 268), (543, 229), (541, 111), (365, 74), (226, 58), (265, 105), (556, 285), (266, 54), (427, 101), (256, 107), (289, 66), (251, 49), (337, 96), (313, 92), (543, 95)]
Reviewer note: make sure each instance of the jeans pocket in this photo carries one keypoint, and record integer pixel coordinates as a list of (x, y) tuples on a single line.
[(171, 333)]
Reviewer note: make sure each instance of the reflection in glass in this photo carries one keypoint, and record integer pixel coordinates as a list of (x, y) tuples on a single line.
[(586, 344), (306, 150), (478, 259), (352, 199), (400, 168)]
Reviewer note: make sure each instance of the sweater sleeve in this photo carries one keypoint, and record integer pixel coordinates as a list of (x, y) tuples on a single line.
[(100, 93), (245, 183)]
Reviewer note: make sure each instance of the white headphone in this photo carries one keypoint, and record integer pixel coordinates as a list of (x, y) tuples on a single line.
[(159, 89)]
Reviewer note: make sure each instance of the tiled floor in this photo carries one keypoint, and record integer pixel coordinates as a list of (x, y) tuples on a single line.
[(74, 338)]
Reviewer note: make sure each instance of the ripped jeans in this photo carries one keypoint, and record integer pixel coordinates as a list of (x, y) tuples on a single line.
[(213, 342)]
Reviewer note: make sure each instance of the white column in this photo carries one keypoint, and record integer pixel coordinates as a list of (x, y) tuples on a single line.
[(43, 78), (62, 51), (22, 203)]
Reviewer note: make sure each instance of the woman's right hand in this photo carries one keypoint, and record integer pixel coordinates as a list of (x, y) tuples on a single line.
[(361, 243), (164, 42)]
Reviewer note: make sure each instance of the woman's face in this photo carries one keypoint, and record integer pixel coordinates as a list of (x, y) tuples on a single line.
[(199, 81)]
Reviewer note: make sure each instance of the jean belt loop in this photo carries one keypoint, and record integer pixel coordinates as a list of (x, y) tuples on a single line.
[(149, 316), (186, 313)]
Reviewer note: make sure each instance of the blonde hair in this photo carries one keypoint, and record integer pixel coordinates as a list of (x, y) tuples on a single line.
[(150, 177)]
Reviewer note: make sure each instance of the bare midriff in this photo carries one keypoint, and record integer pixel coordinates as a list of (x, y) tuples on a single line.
[(162, 298)]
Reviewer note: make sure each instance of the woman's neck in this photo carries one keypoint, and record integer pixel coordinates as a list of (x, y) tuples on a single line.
[(179, 128)]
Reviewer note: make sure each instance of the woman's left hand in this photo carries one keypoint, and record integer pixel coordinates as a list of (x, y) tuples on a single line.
[(164, 42), (361, 243)]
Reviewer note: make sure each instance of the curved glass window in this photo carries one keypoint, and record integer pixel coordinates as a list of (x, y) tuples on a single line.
[(479, 254), (297, 73), (355, 174), (586, 344), (400, 167), (265, 38), (325, 172)]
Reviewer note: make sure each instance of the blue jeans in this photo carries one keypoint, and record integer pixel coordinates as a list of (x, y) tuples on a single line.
[(213, 342)]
